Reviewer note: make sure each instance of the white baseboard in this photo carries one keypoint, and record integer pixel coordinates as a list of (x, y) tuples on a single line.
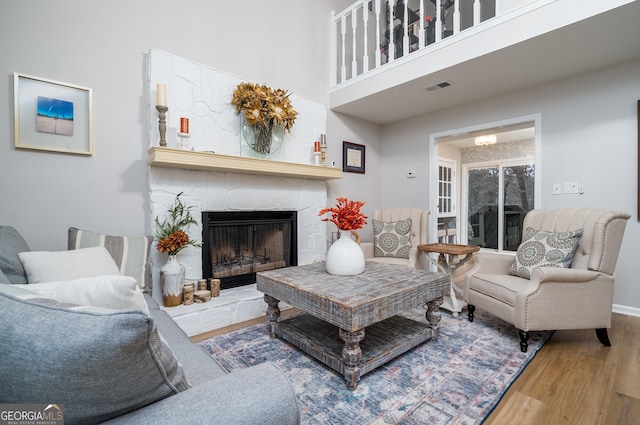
[(629, 311)]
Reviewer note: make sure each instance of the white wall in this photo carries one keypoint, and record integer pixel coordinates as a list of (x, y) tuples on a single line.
[(360, 187), (102, 45), (589, 135)]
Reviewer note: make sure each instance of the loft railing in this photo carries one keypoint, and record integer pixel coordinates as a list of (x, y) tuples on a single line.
[(372, 33)]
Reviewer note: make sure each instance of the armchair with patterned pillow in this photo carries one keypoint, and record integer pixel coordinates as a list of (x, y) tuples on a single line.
[(561, 277), (397, 232)]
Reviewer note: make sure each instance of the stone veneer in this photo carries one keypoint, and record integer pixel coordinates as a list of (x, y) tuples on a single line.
[(203, 95)]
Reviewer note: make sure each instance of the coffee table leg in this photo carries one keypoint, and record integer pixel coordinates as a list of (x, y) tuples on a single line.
[(433, 314), (273, 314), (352, 356)]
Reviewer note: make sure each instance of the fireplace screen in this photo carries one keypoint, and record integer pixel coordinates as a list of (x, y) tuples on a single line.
[(236, 245)]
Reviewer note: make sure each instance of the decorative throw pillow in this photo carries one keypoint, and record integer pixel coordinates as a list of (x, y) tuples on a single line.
[(99, 363), (540, 248), (52, 266), (11, 243), (114, 292), (131, 253), (392, 239)]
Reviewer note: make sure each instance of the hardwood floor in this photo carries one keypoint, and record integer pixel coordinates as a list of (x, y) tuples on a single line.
[(576, 380)]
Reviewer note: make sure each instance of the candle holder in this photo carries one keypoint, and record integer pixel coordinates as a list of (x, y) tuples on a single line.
[(184, 140), (162, 123)]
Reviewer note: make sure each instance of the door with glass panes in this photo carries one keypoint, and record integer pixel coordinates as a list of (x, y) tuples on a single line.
[(498, 197), (447, 223)]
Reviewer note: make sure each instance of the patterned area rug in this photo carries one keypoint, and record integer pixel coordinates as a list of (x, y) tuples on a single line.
[(457, 379)]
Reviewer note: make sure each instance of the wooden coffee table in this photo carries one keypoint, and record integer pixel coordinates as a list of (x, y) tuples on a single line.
[(345, 305)]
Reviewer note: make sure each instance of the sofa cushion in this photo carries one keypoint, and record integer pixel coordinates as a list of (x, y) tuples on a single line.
[(114, 292), (540, 248), (11, 243), (392, 239), (52, 266), (131, 253), (99, 363)]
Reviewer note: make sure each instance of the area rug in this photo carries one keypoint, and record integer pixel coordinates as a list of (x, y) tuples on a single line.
[(457, 379)]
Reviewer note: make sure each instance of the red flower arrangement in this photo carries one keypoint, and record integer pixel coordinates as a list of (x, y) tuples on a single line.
[(346, 214)]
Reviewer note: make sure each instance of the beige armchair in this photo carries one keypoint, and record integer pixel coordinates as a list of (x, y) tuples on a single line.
[(554, 298), (419, 235)]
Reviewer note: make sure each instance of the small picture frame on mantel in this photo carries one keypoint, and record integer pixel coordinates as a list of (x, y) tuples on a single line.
[(353, 157)]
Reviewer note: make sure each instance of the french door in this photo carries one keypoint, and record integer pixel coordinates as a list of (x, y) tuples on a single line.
[(498, 196)]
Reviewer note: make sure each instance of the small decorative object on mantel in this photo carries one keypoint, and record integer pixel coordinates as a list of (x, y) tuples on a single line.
[(172, 239), (267, 114), (161, 107), (184, 133), (323, 149), (345, 257)]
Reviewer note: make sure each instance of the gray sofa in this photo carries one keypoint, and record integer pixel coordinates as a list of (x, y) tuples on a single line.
[(121, 367)]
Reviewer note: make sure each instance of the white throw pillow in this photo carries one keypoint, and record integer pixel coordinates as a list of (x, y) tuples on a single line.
[(113, 292), (53, 266)]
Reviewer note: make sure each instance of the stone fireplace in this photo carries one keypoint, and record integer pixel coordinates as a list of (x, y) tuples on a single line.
[(203, 94)]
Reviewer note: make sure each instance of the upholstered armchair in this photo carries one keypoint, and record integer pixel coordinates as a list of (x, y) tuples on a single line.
[(418, 233), (579, 296)]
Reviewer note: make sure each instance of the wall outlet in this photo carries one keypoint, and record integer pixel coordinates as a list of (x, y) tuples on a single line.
[(557, 189), (571, 187)]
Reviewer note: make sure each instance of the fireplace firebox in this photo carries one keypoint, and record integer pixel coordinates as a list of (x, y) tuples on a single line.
[(237, 244)]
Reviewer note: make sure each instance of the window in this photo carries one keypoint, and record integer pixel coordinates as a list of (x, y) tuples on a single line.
[(498, 196)]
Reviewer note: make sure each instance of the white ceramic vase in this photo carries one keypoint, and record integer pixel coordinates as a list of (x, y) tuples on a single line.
[(345, 257), (172, 282)]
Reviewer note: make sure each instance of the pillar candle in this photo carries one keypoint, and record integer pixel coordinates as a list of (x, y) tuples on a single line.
[(161, 95), (184, 125), (316, 146)]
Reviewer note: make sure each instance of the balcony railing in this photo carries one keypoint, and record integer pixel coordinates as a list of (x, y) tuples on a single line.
[(373, 33)]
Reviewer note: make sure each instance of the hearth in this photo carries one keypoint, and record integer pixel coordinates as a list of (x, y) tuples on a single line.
[(237, 244)]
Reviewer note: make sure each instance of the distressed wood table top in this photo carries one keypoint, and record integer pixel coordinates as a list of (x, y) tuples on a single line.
[(353, 302), (448, 248)]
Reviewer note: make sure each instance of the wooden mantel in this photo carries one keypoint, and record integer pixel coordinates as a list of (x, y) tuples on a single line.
[(208, 161)]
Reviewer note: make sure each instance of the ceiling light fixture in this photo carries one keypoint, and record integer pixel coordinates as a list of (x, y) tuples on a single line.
[(489, 139)]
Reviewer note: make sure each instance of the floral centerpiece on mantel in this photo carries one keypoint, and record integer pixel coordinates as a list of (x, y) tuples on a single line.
[(344, 257), (264, 109)]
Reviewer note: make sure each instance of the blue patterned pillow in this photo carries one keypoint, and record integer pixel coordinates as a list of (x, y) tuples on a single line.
[(392, 239), (540, 248)]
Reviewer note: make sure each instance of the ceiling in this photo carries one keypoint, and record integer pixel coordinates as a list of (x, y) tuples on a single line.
[(601, 41), (505, 134)]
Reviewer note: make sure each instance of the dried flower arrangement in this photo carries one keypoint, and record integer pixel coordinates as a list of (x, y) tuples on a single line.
[(346, 214), (264, 106), (171, 234)]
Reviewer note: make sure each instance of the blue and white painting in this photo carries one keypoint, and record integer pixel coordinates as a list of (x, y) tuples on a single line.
[(55, 116)]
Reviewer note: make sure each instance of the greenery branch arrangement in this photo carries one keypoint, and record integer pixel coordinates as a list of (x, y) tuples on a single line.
[(170, 233), (346, 214)]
